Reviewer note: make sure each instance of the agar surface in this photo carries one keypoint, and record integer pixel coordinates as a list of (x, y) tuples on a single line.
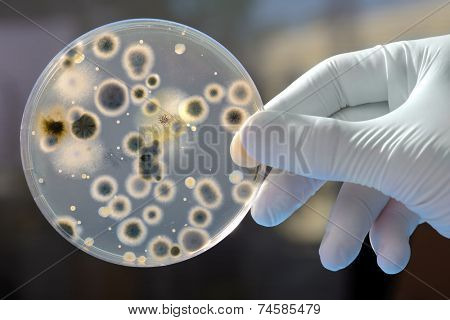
[(108, 122)]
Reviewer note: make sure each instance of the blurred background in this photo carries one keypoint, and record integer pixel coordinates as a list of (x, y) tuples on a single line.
[(276, 41)]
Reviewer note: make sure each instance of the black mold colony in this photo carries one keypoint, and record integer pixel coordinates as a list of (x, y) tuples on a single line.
[(84, 127), (67, 228), (175, 251), (138, 93), (53, 127), (234, 117), (195, 108), (213, 92), (133, 230), (53, 130), (105, 44)]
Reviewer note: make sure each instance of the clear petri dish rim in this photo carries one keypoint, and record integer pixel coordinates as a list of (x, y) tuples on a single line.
[(25, 130)]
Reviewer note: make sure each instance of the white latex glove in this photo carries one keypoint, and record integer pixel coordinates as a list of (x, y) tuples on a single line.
[(395, 166)]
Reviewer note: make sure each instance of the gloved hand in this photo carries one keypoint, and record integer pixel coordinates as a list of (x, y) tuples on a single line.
[(388, 139)]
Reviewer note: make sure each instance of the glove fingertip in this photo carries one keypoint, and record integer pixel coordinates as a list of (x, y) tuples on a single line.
[(334, 258), (389, 266), (262, 215)]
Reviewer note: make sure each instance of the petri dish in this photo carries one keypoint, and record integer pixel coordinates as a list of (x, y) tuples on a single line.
[(125, 142)]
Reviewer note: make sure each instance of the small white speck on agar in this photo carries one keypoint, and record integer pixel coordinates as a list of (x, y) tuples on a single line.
[(215, 73), (97, 68), (174, 230), (78, 222), (193, 128), (40, 180), (59, 171), (73, 102), (121, 158), (72, 175), (109, 228), (33, 133), (184, 199), (83, 176), (73, 208), (118, 121), (118, 147), (127, 113), (141, 41), (119, 246)]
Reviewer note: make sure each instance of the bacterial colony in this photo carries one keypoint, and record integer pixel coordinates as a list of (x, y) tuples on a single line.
[(99, 123)]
